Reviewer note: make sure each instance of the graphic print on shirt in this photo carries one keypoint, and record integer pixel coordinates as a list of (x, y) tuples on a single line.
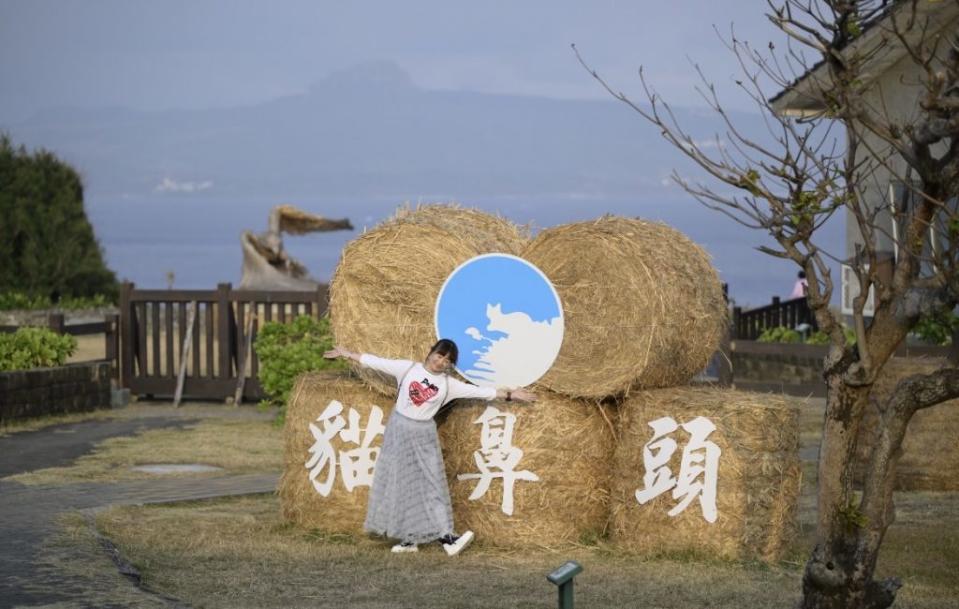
[(422, 392)]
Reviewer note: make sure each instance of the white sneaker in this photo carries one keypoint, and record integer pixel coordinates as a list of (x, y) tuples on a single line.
[(403, 548), (458, 544)]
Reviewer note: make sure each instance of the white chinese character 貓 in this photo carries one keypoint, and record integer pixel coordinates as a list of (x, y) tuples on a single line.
[(497, 457), (698, 467), (356, 465)]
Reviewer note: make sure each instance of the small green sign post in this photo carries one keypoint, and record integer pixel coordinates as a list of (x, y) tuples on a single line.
[(563, 578)]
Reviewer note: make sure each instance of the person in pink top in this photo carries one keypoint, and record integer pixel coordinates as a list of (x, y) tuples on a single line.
[(800, 287), (409, 500)]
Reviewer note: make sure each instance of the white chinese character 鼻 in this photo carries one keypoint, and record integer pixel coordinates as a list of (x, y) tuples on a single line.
[(497, 457)]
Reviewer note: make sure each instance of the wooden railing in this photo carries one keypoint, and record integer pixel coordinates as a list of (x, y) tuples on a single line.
[(748, 325), (201, 340), (109, 328)]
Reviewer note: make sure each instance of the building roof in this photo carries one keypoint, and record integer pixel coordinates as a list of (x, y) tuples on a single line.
[(876, 42)]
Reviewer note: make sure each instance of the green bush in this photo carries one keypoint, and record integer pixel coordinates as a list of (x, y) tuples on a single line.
[(288, 350), (31, 302), (19, 300), (779, 334), (72, 303), (821, 338), (818, 338), (937, 328), (35, 348)]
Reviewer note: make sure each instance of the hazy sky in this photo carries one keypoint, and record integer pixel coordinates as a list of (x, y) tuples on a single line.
[(159, 54), (194, 54)]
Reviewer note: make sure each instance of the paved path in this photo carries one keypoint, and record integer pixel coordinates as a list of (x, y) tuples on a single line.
[(28, 514)]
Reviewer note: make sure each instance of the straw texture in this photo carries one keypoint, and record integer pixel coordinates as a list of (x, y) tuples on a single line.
[(930, 450), (643, 305), (384, 290), (758, 480), (341, 511), (566, 443)]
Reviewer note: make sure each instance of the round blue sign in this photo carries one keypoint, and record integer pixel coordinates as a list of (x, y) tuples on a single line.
[(506, 318)]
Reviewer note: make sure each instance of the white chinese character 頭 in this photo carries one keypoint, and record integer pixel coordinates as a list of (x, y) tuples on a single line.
[(698, 468)]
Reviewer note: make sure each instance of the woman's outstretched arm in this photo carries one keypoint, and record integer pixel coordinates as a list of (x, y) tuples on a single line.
[(338, 351), (515, 395), (394, 367)]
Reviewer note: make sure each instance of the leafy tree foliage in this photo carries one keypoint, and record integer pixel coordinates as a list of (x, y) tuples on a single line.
[(46, 242)]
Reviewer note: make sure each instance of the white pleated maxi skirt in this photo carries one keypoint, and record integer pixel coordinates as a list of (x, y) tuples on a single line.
[(409, 499)]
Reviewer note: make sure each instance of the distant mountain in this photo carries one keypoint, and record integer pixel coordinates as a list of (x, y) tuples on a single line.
[(370, 132)]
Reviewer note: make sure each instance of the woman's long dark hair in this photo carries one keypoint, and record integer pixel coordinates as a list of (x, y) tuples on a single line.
[(445, 346)]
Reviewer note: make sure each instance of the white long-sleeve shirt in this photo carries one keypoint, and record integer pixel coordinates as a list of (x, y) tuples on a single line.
[(422, 393)]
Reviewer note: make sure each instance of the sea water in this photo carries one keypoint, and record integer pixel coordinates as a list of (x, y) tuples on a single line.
[(197, 237)]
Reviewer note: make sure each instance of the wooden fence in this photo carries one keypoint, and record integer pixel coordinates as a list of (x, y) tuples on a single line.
[(109, 328), (203, 336), (748, 325)]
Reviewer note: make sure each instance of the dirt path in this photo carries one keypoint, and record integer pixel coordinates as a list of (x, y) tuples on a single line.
[(33, 555)]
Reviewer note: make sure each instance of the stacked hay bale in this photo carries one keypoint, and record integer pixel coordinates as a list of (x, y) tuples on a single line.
[(342, 509), (565, 444), (759, 475), (643, 308), (385, 287), (643, 305), (930, 450)]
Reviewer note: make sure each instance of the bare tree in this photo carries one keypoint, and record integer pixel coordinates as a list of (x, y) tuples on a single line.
[(907, 133)]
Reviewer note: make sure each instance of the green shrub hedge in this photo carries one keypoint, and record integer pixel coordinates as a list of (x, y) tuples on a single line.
[(35, 348), (937, 328), (15, 300), (781, 334), (288, 350)]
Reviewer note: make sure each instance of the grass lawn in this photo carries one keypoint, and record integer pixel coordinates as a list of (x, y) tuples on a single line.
[(239, 447), (240, 553), (239, 440)]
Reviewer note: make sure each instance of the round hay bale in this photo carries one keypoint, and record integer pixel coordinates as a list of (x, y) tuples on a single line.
[(342, 509), (643, 305), (930, 450), (566, 445), (384, 290), (757, 479)]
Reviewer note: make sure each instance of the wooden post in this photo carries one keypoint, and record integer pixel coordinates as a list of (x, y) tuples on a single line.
[(111, 337), (223, 329), (155, 335), (126, 335), (245, 345), (55, 322), (184, 352), (170, 342), (322, 300)]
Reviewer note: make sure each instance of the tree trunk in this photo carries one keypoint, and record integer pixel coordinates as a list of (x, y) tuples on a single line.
[(839, 573)]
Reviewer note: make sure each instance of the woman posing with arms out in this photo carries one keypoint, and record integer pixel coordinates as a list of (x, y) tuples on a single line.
[(410, 500)]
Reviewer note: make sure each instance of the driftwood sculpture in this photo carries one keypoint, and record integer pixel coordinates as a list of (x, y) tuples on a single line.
[(266, 265)]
